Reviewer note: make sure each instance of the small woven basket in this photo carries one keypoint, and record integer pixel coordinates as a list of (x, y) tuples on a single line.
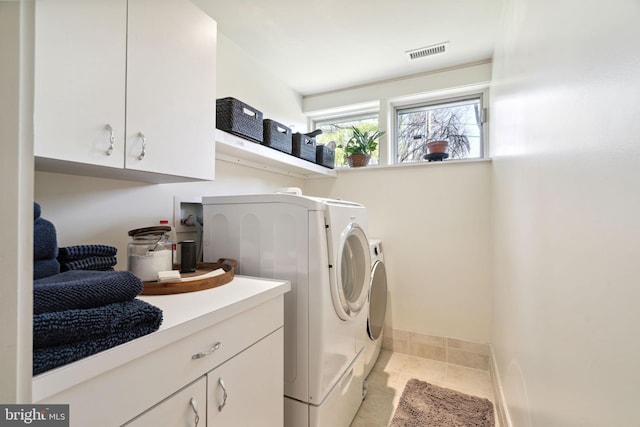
[(238, 118), (276, 135)]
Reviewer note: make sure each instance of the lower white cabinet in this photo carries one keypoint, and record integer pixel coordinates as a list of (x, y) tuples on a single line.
[(247, 390), (217, 359)]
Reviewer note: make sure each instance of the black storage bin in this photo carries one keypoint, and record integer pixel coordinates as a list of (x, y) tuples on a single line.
[(325, 156), (276, 135), (238, 118), (304, 146)]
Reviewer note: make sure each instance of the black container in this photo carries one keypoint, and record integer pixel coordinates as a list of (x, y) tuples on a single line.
[(325, 156), (187, 256), (276, 135), (238, 118), (304, 146)]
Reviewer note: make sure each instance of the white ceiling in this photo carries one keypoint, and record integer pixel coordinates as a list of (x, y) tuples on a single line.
[(320, 45)]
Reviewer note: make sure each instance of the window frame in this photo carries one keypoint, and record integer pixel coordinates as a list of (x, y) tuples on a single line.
[(364, 114), (434, 100)]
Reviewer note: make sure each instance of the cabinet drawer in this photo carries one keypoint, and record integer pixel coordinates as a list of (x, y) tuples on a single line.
[(143, 382)]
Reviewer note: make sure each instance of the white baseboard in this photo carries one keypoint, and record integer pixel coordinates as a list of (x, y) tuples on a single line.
[(500, 403)]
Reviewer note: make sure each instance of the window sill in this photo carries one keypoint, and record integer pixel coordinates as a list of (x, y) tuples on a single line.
[(342, 169)]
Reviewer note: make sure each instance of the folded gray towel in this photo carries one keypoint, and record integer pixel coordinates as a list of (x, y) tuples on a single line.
[(45, 268), (83, 289), (71, 326), (100, 263), (145, 320), (45, 243), (78, 252)]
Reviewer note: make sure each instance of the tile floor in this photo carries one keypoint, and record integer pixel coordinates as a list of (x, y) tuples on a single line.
[(391, 373)]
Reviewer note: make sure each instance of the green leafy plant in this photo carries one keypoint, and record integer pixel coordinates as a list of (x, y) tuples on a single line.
[(361, 142)]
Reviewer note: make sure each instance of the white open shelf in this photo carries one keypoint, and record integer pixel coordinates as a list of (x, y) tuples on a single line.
[(234, 149)]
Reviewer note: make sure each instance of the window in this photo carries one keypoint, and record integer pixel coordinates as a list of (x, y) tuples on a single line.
[(457, 121), (339, 131)]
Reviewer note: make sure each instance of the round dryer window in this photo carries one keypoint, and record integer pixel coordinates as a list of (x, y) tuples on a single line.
[(354, 273)]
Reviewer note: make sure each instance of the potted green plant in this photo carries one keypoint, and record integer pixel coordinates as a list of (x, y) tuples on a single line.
[(359, 147)]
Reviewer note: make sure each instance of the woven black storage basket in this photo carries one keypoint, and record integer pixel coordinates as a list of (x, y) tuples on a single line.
[(304, 146), (238, 118), (276, 135), (325, 156)]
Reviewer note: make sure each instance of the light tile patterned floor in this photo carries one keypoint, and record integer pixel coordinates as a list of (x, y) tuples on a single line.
[(391, 373)]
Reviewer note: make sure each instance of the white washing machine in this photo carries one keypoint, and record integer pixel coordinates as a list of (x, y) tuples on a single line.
[(376, 307), (321, 247)]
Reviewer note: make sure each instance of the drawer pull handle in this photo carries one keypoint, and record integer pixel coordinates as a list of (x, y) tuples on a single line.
[(195, 411), (224, 396), (208, 352), (112, 139)]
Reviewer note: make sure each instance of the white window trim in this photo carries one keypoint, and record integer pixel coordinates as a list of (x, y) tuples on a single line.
[(347, 111), (360, 111), (435, 97)]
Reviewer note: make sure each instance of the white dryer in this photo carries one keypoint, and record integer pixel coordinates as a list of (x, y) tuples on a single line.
[(321, 247), (376, 306)]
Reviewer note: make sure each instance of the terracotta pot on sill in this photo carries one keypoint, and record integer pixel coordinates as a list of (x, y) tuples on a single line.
[(437, 147), (357, 160)]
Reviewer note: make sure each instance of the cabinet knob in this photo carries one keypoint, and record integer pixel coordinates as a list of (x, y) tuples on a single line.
[(208, 352), (143, 139), (224, 396), (112, 139)]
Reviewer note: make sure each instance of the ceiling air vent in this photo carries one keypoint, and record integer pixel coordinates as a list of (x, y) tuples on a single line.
[(427, 51)]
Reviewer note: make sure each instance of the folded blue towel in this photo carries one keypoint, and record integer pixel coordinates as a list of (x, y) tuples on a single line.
[(45, 243), (45, 268), (83, 289), (46, 358), (36, 211), (101, 263), (71, 326), (74, 253)]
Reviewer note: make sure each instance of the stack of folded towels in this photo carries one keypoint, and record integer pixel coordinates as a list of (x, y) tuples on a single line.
[(78, 313), (45, 246)]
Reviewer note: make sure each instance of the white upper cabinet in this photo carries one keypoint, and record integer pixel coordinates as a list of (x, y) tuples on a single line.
[(80, 77), (127, 87), (171, 99)]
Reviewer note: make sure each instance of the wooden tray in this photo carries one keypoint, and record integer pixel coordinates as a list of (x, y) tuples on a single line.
[(191, 282)]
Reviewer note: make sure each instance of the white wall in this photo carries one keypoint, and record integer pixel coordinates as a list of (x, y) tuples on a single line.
[(435, 225), (566, 187), (95, 210), (240, 77)]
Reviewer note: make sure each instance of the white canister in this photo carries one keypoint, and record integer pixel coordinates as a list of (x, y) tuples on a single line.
[(150, 252)]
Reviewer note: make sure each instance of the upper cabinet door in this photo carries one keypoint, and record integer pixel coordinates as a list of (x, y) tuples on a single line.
[(80, 53), (171, 66)]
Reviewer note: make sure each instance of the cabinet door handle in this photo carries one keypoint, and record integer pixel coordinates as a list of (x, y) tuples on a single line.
[(194, 407), (224, 396), (112, 139), (208, 352), (144, 145)]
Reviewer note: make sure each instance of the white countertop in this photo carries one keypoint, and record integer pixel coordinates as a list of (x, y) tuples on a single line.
[(183, 314)]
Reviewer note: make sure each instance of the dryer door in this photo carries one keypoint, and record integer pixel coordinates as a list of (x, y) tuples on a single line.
[(349, 294)]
